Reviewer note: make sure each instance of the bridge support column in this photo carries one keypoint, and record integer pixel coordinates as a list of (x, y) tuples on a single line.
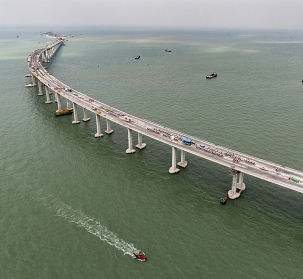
[(173, 168), (43, 57), (58, 101), (40, 88), (34, 80), (46, 56), (140, 145), (85, 118), (182, 163), (236, 185), (108, 129), (130, 142), (48, 101), (98, 122), (68, 103), (76, 120)]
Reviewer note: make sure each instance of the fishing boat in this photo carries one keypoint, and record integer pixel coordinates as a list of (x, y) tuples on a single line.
[(212, 75), (140, 256), (65, 111), (137, 57), (224, 200), (167, 50)]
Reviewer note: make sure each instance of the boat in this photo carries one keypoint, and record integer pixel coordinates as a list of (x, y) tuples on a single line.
[(137, 57), (167, 50), (224, 200), (65, 111), (212, 75), (140, 256)]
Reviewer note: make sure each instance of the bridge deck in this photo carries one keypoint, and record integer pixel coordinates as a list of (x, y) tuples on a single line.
[(269, 171)]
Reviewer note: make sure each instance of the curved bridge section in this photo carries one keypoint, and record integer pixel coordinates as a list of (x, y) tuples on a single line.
[(239, 163)]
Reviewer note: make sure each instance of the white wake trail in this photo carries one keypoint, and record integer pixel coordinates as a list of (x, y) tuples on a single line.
[(90, 224)]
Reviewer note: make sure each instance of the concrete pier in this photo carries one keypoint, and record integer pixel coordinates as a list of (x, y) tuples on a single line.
[(140, 145), (98, 134), (47, 92), (85, 118), (40, 88), (173, 168), (182, 163), (56, 97), (34, 80), (108, 128), (238, 186), (75, 111), (68, 103), (59, 102), (130, 148)]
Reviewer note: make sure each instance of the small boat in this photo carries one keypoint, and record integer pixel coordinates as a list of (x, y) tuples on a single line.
[(140, 256), (65, 111), (224, 200), (212, 75), (137, 57), (167, 50)]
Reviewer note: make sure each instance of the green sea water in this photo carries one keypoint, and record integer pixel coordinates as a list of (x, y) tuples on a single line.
[(76, 206)]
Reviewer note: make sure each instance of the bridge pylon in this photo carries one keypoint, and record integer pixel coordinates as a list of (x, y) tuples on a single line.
[(130, 148), (76, 119), (98, 134), (173, 168), (237, 186), (40, 88), (47, 92), (182, 163), (85, 117), (140, 144), (108, 128)]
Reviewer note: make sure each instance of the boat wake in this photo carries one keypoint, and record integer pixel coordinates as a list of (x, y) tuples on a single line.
[(90, 224)]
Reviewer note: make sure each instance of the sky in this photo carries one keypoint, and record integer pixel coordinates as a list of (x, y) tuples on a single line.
[(241, 14)]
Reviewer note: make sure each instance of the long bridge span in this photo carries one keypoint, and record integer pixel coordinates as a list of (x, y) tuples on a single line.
[(238, 162)]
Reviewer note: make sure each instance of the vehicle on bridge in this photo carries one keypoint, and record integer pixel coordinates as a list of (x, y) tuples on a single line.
[(187, 141), (127, 119)]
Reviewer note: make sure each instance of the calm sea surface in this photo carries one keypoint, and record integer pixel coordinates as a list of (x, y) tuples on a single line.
[(73, 206)]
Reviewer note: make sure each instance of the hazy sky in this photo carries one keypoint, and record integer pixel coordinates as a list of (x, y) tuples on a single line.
[(267, 14)]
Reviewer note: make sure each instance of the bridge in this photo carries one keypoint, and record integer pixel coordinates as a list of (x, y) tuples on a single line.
[(238, 162)]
